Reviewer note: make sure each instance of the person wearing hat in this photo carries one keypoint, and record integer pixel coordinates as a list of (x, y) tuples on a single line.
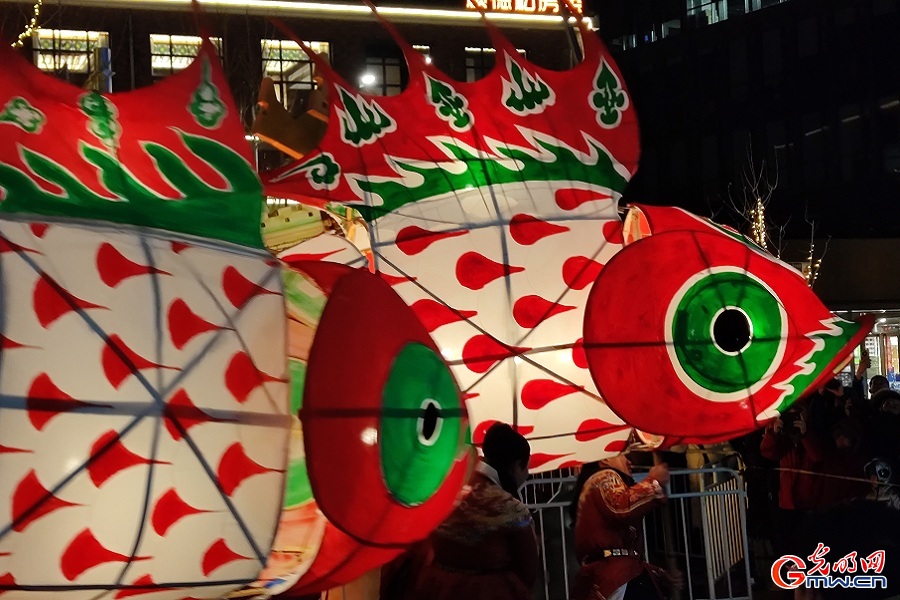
[(611, 507)]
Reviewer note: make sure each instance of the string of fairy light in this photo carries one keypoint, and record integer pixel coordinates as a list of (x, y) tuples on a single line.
[(759, 233), (814, 265), (758, 224), (32, 24)]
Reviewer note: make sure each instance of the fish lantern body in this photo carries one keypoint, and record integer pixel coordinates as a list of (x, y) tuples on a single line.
[(145, 421), (497, 267), (378, 453), (493, 210)]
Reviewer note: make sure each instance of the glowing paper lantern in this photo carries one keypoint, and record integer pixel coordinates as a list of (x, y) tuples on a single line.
[(144, 428), (735, 335), (378, 455), (492, 209), (491, 212)]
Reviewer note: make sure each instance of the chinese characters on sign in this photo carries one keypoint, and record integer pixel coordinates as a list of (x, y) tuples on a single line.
[(521, 6)]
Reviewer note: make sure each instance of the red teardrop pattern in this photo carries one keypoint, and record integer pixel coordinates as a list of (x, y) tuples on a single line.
[(239, 290), (8, 246), (182, 409), (142, 585), (120, 362), (591, 429), (481, 430), (184, 324), (46, 400), (527, 230), (538, 393), (413, 240), (530, 311), (8, 344), (39, 229), (51, 302), (235, 467), (179, 247), (475, 271), (616, 446), (217, 555), (169, 510), (242, 377), (85, 552), (109, 456), (539, 459), (114, 267), (12, 450), (433, 314), (570, 199), (580, 271), (31, 501), (579, 356), (614, 232), (481, 352), (7, 580), (394, 279)]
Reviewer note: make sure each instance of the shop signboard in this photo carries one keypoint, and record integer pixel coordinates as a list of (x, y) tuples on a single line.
[(534, 7)]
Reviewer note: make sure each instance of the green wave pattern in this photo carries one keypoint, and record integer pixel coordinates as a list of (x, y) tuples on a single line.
[(231, 213), (597, 167), (304, 303)]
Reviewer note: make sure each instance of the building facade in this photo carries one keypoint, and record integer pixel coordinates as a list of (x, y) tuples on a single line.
[(807, 88), (811, 90), (146, 41)]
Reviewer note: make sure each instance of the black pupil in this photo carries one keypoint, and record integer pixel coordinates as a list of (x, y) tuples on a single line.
[(430, 417), (731, 331)]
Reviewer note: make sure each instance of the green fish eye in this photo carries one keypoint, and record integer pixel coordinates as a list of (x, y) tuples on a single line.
[(727, 331), (420, 424)]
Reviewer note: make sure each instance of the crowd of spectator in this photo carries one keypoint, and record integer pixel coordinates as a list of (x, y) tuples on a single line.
[(835, 454)]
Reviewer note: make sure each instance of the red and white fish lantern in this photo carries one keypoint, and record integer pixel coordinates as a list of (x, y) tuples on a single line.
[(493, 210), (144, 420)]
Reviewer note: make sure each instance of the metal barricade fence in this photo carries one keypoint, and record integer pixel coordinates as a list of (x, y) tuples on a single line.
[(702, 528)]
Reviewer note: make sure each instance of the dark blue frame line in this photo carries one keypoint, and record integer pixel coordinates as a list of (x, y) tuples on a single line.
[(65, 481), (158, 405), (261, 556), (12, 402), (96, 329), (157, 426), (5, 587)]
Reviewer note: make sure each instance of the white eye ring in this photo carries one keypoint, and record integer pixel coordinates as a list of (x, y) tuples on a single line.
[(712, 326), (420, 424)]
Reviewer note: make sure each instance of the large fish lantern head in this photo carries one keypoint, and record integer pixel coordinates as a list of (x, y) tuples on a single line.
[(493, 211), (724, 339), (149, 441)]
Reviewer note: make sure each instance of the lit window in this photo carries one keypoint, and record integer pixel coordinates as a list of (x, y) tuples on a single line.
[(173, 53), (65, 52), (383, 75), (480, 61), (291, 69)]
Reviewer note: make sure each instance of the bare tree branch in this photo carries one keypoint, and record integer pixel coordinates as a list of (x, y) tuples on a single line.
[(749, 201)]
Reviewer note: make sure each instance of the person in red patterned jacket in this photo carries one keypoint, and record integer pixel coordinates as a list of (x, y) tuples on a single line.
[(799, 448), (608, 536)]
